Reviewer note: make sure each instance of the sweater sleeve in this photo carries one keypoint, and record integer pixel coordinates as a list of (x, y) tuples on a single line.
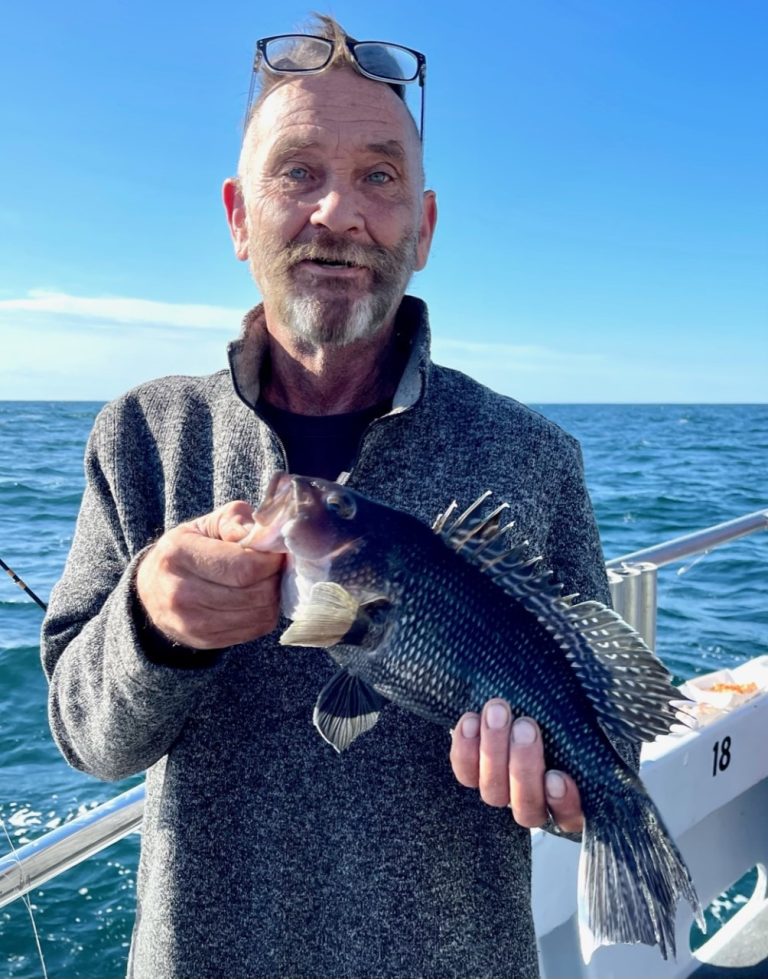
[(573, 543), (114, 707)]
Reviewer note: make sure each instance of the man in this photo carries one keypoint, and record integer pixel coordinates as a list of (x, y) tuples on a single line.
[(263, 852)]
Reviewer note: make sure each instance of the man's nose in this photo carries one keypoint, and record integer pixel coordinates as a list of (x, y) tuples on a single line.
[(338, 210)]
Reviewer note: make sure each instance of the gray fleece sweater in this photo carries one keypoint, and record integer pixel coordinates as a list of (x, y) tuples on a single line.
[(264, 853)]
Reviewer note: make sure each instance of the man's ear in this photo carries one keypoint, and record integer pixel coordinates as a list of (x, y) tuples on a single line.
[(234, 205), (426, 228)]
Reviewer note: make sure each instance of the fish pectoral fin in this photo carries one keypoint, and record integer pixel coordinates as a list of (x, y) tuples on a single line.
[(325, 619), (347, 707)]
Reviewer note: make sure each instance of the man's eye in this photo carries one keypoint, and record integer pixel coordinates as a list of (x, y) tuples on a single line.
[(297, 173), (379, 177)]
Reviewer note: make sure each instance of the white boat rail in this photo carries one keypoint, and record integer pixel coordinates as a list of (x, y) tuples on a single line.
[(633, 587)]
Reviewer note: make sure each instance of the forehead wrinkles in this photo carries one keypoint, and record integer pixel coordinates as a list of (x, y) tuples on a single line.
[(352, 124), (299, 138), (338, 110)]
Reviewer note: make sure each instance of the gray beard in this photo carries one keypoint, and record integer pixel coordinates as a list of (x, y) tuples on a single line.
[(337, 320)]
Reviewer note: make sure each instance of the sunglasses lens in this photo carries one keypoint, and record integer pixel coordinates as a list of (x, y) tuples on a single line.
[(387, 61), (295, 52)]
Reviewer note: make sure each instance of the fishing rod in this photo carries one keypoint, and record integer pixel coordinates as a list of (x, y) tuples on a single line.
[(22, 584)]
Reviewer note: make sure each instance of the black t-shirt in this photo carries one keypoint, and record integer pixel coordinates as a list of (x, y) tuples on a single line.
[(320, 445)]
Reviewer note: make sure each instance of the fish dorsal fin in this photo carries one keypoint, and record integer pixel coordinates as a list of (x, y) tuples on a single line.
[(482, 541), (347, 707), (324, 619), (629, 687)]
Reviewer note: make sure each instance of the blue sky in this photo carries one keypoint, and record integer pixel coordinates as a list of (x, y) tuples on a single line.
[(601, 169)]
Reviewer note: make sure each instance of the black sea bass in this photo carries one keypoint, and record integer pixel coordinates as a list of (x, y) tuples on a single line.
[(441, 620)]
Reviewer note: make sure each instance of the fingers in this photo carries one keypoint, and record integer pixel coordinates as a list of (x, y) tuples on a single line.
[(229, 523), (206, 615), (526, 774), (200, 588), (494, 753), (186, 552), (465, 750), (504, 758), (564, 802), (480, 752)]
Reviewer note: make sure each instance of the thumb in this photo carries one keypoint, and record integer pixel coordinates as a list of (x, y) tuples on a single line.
[(230, 522)]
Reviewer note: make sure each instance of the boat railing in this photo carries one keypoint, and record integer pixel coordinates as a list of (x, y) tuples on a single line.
[(632, 577), (633, 588)]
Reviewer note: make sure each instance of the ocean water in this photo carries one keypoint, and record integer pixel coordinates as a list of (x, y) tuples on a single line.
[(654, 472)]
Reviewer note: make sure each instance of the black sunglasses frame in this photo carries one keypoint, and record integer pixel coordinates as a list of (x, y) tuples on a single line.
[(260, 57)]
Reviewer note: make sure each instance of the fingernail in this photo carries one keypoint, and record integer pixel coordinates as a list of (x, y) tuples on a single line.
[(555, 785), (523, 732), (470, 727), (496, 716)]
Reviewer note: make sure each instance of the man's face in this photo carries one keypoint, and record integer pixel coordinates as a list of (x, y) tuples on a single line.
[(332, 217)]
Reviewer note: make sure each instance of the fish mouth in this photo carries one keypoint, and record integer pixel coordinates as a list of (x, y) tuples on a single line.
[(313, 534), (292, 518), (273, 515)]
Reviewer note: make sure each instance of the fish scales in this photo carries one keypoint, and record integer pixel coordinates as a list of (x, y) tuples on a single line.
[(439, 621), (474, 637)]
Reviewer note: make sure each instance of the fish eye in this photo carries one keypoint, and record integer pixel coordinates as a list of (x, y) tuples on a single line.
[(341, 504)]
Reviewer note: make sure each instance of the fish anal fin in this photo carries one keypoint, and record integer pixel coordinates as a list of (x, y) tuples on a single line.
[(346, 708)]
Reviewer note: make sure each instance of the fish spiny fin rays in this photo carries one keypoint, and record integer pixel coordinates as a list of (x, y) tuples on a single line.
[(324, 619), (482, 540), (467, 527), (346, 708), (630, 688)]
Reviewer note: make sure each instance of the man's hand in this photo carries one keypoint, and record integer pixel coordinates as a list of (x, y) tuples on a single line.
[(200, 588), (505, 760)]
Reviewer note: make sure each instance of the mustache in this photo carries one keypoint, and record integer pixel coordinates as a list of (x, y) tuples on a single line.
[(367, 256), (329, 247)]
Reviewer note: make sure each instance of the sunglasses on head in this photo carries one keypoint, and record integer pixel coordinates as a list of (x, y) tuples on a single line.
[(305, 54)]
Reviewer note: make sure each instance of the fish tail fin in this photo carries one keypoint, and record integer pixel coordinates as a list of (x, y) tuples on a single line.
[(631, 875)]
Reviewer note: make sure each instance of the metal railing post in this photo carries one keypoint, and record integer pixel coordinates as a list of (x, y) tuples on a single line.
[(633, 593)]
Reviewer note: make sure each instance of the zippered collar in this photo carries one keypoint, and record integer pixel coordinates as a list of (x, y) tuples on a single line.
[(246, 355)]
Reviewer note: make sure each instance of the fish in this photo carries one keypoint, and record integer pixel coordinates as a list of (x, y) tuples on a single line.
[(440, 619)]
